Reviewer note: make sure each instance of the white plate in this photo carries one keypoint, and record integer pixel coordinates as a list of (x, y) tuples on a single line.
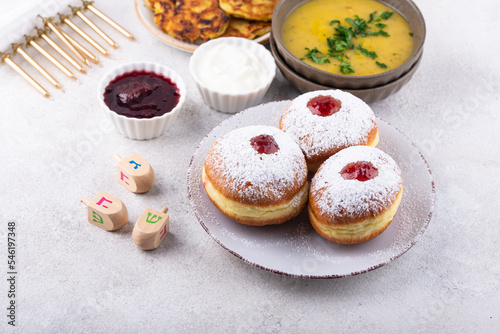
[(146, 17), (294, 248)]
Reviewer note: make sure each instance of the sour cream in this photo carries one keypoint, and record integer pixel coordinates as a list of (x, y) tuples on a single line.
[(231, 68)]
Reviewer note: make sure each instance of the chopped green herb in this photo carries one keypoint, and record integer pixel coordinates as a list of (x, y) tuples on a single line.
[(371, 54), (386, 15), (338, 57), (343, 37), (336, 45), (372, 17), (379, 33), (411, 34), (346, 68), (381, 16), (316, 56), (345, 34), (360, 26)]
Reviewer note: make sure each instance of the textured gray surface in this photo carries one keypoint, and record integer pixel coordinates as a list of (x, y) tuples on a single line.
[(76, 278)]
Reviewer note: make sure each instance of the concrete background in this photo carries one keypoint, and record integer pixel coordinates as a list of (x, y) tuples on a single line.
[(75, 278)]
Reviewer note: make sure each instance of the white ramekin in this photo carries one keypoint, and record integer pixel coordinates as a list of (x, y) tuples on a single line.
[(141, 128), (233, 102)]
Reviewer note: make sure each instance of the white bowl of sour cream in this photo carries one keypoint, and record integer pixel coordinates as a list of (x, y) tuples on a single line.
[(232, 73)]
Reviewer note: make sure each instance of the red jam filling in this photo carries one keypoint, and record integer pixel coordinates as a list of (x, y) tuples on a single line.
[(324, 105), (264, 144), (141, 94), (361, 171)]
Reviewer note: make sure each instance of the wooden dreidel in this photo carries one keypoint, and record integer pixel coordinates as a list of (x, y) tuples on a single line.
[(135, 173), (151, 228), (106, 211)]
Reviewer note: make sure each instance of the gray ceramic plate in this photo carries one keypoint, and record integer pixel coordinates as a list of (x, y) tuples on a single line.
[(406, 8), (294, 248), (369, 95)]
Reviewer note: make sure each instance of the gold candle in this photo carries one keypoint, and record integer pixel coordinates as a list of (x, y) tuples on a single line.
[(6, 58), (83, 34), (31, 41), (77, 11), (88, 5), (55, 30), (18, 49), (82, 49), (61, 51)]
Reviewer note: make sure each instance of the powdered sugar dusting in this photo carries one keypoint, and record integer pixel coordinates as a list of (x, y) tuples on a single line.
[(337, 196), (317, 134), (294, 248), (253, 176)]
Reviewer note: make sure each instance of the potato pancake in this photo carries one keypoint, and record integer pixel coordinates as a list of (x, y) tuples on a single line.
[(259, 10), (150, 4), (246, 29), (191, 20)]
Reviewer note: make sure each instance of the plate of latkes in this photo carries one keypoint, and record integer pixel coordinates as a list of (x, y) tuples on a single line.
[(294, 248), (186, 24)]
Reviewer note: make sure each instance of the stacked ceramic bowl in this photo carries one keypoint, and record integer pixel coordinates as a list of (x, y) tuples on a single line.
[(370, 88)]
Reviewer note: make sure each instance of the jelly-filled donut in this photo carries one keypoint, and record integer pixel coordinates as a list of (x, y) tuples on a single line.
[(256, 175), (325, 122), (355, 195)]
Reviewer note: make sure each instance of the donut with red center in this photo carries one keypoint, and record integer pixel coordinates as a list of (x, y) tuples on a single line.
[(256, 175), (325, 122), (354, 195)]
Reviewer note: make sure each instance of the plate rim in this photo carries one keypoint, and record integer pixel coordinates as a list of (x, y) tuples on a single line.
[(173, 42), (415, 239)]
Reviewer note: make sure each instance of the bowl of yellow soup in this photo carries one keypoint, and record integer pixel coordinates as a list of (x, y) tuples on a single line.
[(349, 44), (369, 95)]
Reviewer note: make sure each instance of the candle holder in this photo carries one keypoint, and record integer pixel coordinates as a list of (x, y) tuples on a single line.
[(78, 55)]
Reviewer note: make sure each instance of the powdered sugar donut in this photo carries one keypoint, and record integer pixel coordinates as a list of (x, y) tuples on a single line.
[(256, 175), (325, 122), (355, 195)]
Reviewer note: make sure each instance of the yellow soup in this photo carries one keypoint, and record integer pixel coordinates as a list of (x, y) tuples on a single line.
[(362, 51)]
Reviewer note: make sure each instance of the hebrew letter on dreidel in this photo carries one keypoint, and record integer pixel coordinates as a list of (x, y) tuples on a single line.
[(106, 211), (123, 177), (136, 165), (102, 200), (163, 232), (96, 218), (135, 173), (151, 228), (152, 220)]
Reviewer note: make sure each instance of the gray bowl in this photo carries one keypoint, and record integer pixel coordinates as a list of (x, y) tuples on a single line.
[(369, 95), (404, 7)]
